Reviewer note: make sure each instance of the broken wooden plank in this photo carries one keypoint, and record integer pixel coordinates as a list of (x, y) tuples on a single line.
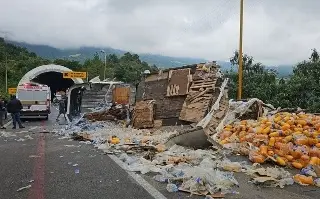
[(205, 81), (203, 86), (197, 89), (199, 99), (202, 80), (198, 95)]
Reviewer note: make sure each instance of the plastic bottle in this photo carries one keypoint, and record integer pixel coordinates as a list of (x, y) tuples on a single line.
[(256, 157), (312, 141), (172, 188), (288, 138), (314, 161), (296, 153), (115, 140), (285, 127), (225, 134), (314, 152), (159, 178), (317, 182), (289, 157), (308, 171), (266, 130), (276, 134), (301, 140), (302, 179), (280, 160), (305, 158), (272, 141), (263, 150), (261, 136), (297, 165), (271, 153)]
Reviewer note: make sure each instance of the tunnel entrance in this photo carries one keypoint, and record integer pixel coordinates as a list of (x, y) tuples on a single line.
[(55, 81)]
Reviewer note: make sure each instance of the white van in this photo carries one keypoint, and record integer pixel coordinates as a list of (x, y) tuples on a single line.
[(35, 99)]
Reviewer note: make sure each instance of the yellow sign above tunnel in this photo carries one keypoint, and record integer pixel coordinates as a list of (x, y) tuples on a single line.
[(12, 91), (68, 75)]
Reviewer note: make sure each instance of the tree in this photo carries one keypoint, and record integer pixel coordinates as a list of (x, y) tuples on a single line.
[(94, 67), (303, 86), (130, 68), (314, 56), (18, 61), (127, 68), (300, 90), (71, 64), (258, 82)]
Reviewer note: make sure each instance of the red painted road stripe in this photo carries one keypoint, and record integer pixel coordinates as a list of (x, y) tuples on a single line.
[(37, 189)]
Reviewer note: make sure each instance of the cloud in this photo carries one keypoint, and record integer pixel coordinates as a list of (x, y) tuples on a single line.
[(275, 32)]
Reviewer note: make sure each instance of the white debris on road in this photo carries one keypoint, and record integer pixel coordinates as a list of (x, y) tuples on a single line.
[(23, 188), (196, 171)]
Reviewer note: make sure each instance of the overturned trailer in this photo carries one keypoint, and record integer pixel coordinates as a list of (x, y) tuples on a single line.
[(97, 95), (184, 95)]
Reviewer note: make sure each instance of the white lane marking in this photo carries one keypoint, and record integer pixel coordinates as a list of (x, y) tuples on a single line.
[(7, 124), (142, 182)]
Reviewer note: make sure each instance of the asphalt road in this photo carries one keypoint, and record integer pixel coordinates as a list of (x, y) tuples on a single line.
[(58, 168), (64, 169)]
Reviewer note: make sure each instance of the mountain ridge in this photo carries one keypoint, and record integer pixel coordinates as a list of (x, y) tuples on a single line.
[(83, 53)]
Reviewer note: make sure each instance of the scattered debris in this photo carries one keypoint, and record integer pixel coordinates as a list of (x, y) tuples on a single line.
[(76, 171), (115, 112), (172, 188), (270, 177), (143, 114), (284, 138), (23, 188), (34, 156), (198, 95), (29, 137), (303, 180), (70, 145), (7, 134), (20, 140)]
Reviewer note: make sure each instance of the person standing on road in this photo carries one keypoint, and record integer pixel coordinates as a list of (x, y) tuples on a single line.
[(62, 109), (5, 101), (65, 99), (2, 112), (14, 107)]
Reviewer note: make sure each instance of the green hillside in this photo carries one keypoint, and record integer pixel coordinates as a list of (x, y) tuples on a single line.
[(18, 61), (83, 53)]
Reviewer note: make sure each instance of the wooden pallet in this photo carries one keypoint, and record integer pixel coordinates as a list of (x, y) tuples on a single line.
[(198, 101)]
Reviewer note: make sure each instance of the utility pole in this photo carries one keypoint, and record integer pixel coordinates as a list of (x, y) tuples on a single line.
[(240, 70), (6, 58), (6, 72), (105, 64)]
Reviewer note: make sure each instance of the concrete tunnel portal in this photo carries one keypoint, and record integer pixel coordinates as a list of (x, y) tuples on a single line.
[(55, 81), (51, 75)]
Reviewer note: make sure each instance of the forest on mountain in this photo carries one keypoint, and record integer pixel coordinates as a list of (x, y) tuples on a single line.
[(301, 89)]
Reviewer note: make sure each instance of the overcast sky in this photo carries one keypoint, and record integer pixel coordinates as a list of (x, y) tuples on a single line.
[(275, 31)]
